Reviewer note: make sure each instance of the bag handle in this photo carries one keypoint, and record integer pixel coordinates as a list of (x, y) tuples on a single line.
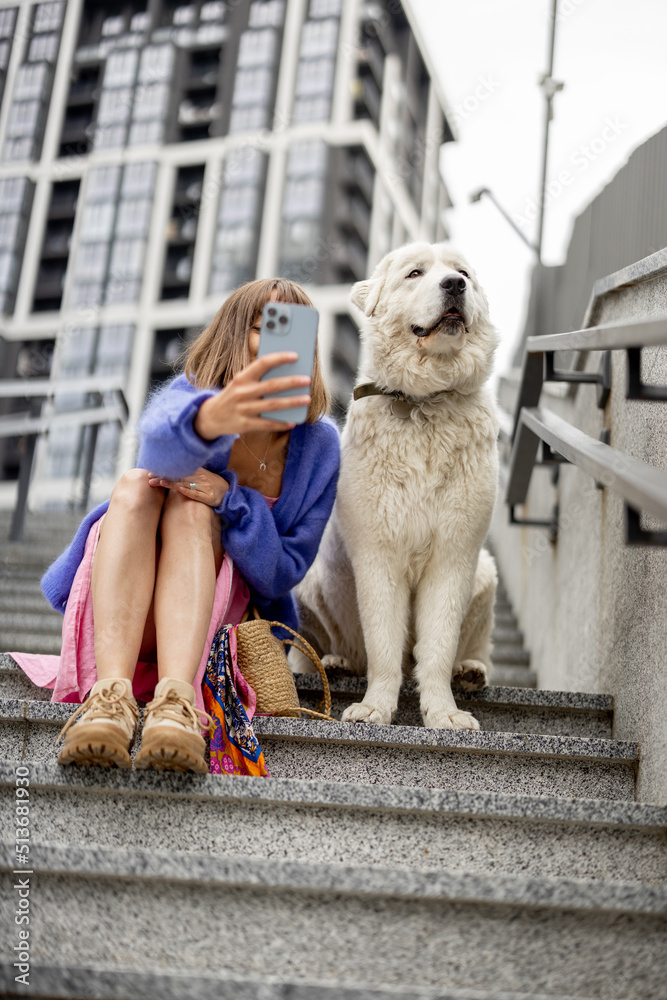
[(308, 651)]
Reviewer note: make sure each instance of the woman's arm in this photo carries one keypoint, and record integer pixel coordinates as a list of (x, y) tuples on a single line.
[(272, 563), (182, 425)]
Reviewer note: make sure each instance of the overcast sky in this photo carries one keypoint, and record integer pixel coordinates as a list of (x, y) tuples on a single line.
[(611, 56)]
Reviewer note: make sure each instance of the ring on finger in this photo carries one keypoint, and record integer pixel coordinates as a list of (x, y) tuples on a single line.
[(192, 486)]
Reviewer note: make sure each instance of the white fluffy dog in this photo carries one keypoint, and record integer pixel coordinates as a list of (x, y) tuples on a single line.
[(401, 576)]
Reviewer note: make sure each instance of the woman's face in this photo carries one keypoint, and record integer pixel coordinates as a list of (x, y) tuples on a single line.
[(254, 331)]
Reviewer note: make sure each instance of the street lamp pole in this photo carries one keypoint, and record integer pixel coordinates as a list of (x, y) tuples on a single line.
[(550, 88)]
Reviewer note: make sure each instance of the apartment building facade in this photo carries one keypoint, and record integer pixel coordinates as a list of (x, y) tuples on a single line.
[(154, 155)]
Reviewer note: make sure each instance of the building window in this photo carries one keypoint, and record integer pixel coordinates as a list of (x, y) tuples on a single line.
[(303, 204), (97, 222), (91, 265), (48, 17), (102, 183), (30, 80), (121, 68), (214, 11), (7, 21), (239, 216), (317, 65), (43, 48), (266, 13)]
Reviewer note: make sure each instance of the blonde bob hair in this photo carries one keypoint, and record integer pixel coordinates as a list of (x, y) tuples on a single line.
[(221, 350)]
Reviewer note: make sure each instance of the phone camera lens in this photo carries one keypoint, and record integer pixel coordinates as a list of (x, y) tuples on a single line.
[(271, 325), (283, 319), (272, 311)]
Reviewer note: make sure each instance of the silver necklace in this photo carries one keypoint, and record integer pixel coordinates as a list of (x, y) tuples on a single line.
[(262, 461)]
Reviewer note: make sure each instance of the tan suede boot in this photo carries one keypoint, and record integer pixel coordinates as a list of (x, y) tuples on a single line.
[(172, 739), (102, 730)]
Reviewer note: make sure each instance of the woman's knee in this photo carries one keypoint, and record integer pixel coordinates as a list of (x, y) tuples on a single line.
[(133, 493), (182, 513)]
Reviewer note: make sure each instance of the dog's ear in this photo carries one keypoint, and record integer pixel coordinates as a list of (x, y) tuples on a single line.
[(366, 294)]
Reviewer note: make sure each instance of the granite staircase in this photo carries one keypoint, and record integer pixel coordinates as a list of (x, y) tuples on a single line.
[(395, 861)]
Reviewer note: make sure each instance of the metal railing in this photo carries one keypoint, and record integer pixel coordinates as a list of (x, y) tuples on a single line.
[(642, 487), (31, 425)]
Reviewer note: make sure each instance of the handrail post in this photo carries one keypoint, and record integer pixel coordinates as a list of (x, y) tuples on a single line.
[(87, 477), (25, 472)]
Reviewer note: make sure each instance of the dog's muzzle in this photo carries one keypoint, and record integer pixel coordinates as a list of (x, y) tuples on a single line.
[(450, 323)]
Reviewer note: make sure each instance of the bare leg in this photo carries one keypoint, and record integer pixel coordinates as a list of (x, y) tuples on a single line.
[(189, 563), (123, 575)]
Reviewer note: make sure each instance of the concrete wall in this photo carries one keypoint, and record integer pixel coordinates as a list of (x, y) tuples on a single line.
[(593, 610)]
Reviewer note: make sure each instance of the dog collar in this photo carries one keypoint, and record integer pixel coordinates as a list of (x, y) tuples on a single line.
[(400, 407), (372, 389)]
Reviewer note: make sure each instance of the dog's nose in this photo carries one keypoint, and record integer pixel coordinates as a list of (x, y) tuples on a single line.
[(453, 284)]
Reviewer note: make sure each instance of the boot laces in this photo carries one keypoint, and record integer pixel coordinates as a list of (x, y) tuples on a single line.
[(173, 707), (105, 703)]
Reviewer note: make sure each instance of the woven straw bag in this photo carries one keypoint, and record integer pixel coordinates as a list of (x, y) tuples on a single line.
[(262, 660)]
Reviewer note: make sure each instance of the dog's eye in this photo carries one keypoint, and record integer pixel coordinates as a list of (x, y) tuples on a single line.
[(415, 274), (464, 273)]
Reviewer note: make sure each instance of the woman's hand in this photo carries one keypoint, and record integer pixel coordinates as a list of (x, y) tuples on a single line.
[(237, 408), (202, 485)]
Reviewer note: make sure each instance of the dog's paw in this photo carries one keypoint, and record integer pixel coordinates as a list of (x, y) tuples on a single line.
[(470, 675), (360, 712), (337, 665), (442, 719)]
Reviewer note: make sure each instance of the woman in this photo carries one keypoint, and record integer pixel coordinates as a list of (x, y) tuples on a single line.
[(227, 507)]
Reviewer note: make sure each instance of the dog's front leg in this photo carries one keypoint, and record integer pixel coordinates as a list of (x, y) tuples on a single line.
[(383, 598), (443, 596)]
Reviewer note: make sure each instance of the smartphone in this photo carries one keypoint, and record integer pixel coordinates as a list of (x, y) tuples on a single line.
[(289, 327)]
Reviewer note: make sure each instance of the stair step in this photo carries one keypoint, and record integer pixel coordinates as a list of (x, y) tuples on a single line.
[(504, 619), (33, 622), (31, 642), (392, 755), (498, 709), (14, 585), (82, 983), (320, 922), (442, 758), (504, 675), (506, 635), (331, 822), (509, 653), (26, 602), (34, 558)]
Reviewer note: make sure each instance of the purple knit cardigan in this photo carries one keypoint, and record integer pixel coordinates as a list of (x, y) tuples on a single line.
[(273, 549)]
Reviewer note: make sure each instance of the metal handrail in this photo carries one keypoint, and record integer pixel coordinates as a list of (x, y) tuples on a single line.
[(641, 486), (34, 388), (22, 426), (32, 425), (607, 337)]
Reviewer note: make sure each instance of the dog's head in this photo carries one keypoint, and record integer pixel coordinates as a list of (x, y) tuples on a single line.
[(428, 323)]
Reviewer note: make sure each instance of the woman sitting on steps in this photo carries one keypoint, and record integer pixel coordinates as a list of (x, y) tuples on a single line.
[(227, 507)]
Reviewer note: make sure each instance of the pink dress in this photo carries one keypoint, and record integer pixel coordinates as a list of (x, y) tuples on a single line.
[(72, 674)]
